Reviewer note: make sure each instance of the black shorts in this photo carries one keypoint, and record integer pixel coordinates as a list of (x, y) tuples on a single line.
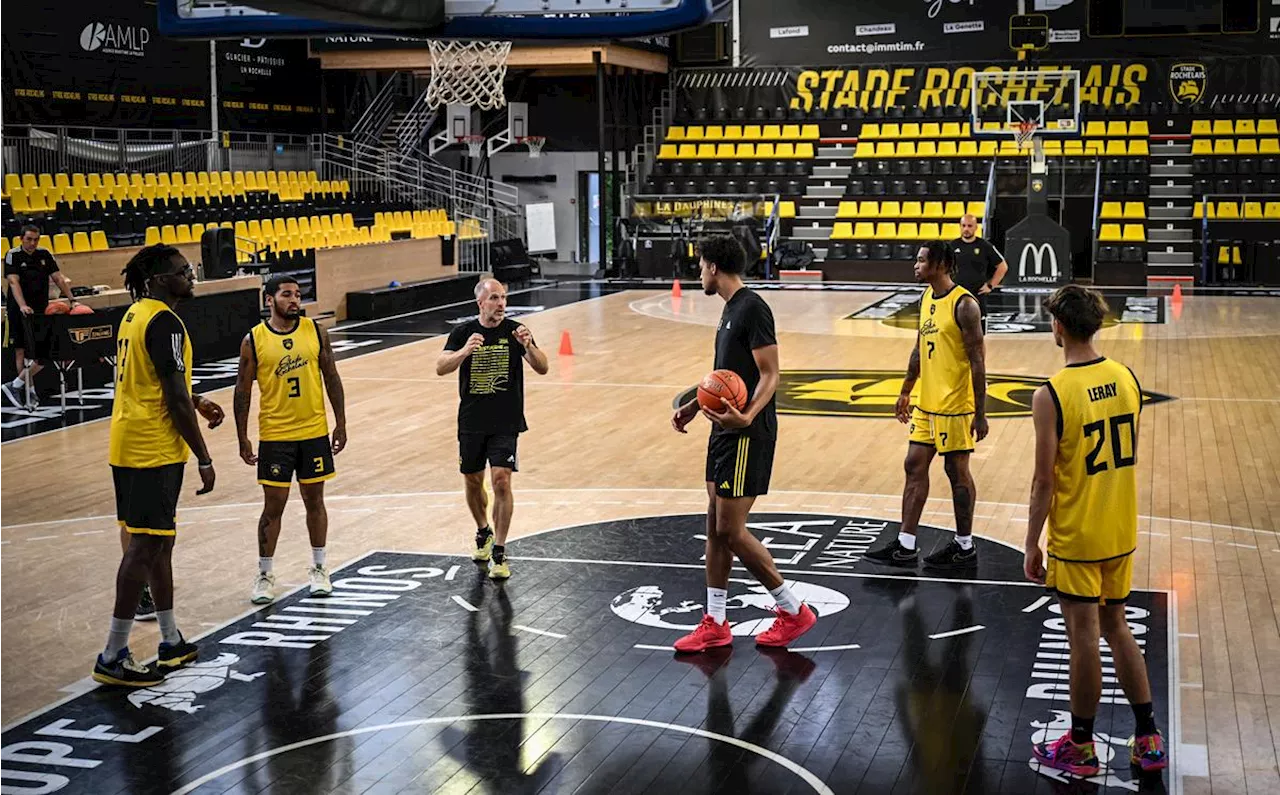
[(740, 466), (147, 499), (475, 449), (310, 459), (35, 346)]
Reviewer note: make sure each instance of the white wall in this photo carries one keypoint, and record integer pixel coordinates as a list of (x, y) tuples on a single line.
[(563, 192)]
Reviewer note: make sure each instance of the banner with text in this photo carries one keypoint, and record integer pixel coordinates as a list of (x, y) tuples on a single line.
[(268, 85), (820, 32), (1103, 84)]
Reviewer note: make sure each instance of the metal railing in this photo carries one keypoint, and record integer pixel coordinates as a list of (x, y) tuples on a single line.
[(89, 150), (645, 154), (373, 122), (472, 202), (414, 125)]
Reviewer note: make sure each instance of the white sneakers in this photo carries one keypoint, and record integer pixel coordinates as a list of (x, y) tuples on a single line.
[(320, 585), (264, 587)]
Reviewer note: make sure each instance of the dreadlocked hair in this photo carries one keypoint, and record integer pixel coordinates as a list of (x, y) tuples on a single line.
[(145, 264), (939, 252)]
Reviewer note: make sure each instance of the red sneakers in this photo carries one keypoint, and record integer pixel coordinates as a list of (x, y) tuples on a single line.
[(787, 627), (708, 635)]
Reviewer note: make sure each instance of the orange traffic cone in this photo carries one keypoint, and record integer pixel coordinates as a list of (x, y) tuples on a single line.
[(566, 346), (1177, 292), (675, 289)]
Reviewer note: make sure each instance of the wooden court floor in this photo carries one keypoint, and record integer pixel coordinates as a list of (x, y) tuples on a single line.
[(600, 447)]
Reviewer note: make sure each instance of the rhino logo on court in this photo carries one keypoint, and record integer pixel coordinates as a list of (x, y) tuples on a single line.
[(179, 689)]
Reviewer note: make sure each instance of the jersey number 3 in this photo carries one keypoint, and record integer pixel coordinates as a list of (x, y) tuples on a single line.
[(295, 387), (1092, 464)]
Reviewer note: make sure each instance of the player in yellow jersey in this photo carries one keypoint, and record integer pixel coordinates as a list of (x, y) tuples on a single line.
[(950, 363), (154, 429), (1085, 484), (290, 357)]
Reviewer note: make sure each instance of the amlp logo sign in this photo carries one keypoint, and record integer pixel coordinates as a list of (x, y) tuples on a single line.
[(114, 39), (1037, 256)]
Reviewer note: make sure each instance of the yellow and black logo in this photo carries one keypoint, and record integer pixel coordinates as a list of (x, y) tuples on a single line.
[(873, 393), (91, 333), (288, 343), (1187, 82)]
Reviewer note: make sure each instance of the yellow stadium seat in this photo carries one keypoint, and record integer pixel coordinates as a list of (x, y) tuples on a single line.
[(183, 233), (29, 182), (911, 129), (693, 133), (908, 231), (787, 209), (912, 210), (1112, 210), (152, 236), (1117, 128), (890, 209), (1224, 146), (954, 210), (926, 149), (1095, 129), (62, 244), (784, 151), (98, 240), (1269, 146), (61, 180), (733, 132), (764, 151), (1199, 209), (809, 132), (79, 243), (675, 133), (1094, 147), (724, 151), (951, 129), (930, 231), (687, 152), (1138, 128), (951, 148), (885, 230), (1201, 127), (1139, 147), (1135, 233), (1245, 127), (804, 151), (931, 130), (241, 229), (951, 231), (1073, 148), (1271, 211), (1247, 146), (1116, 148), (12, 182), (751, 132), (291, 225), (864, 230), (890, 130), (790, 132), (985, 149), (906, 149), (1267, 127), (1253, 211), (45, 181), (870, 130), (885, 149), (1135, 210), (1053, 147), (1202, 146), (1223, 127), (168, 235), (713, 133), (933, 210), (666, 151), (977, 209), (771, 132), (1109, 233), (847, 209), (865, 149), (842, 231), (1228, 210), (868, 209), (746, 151)]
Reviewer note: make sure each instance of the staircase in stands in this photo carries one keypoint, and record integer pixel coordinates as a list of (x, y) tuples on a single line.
[(1171, 231)]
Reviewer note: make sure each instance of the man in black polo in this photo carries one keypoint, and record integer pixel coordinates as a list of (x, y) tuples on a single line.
[(28, 269), (979, 266)]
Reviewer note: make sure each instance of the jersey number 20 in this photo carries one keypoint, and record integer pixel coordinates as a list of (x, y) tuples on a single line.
[(1092, 464)]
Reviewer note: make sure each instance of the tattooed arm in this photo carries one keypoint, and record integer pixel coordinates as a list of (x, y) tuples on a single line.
[(243, 397), (969, 316), (903, 408)]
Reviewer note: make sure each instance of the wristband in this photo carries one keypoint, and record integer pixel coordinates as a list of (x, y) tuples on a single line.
[(205, 464)]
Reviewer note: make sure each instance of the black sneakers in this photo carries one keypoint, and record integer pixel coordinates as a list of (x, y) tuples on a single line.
[(124, 672), (146, 606), (173, 655), (895, 554), (953, 556)]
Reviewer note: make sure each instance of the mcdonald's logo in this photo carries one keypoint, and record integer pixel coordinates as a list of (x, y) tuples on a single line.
[(1038, 254)]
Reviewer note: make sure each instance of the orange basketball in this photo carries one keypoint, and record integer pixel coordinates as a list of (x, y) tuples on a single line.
[(81, 309), (722, 385), (57, 308)]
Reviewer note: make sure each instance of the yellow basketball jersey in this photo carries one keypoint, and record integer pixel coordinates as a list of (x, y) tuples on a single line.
[(142, 432), (1093, 514), (946, 384), (291, 408)]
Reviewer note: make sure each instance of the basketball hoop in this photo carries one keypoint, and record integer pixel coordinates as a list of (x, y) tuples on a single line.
[(1026, 129), (534, 142), (468, 73), (474, 143)]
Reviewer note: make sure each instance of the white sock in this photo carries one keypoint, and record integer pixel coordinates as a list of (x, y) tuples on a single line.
[(786, 598), (264, 565), (19, 382), (317, 556), (168, 626), (716, 598), (117, 638), (907, 540), (965, 542)]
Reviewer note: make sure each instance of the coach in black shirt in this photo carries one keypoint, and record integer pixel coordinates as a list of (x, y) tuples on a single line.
[(979, 266), (28, 270), (489, 354)]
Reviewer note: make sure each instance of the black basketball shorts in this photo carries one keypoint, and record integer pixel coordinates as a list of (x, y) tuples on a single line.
[(475, 449), (147, 499), (310, 459), (739, 465)]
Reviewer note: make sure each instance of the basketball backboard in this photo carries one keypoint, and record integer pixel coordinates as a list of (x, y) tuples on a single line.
[(465, 19), (1002, 100)]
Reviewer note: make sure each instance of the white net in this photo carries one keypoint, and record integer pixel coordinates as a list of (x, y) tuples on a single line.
[(468, 73)]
